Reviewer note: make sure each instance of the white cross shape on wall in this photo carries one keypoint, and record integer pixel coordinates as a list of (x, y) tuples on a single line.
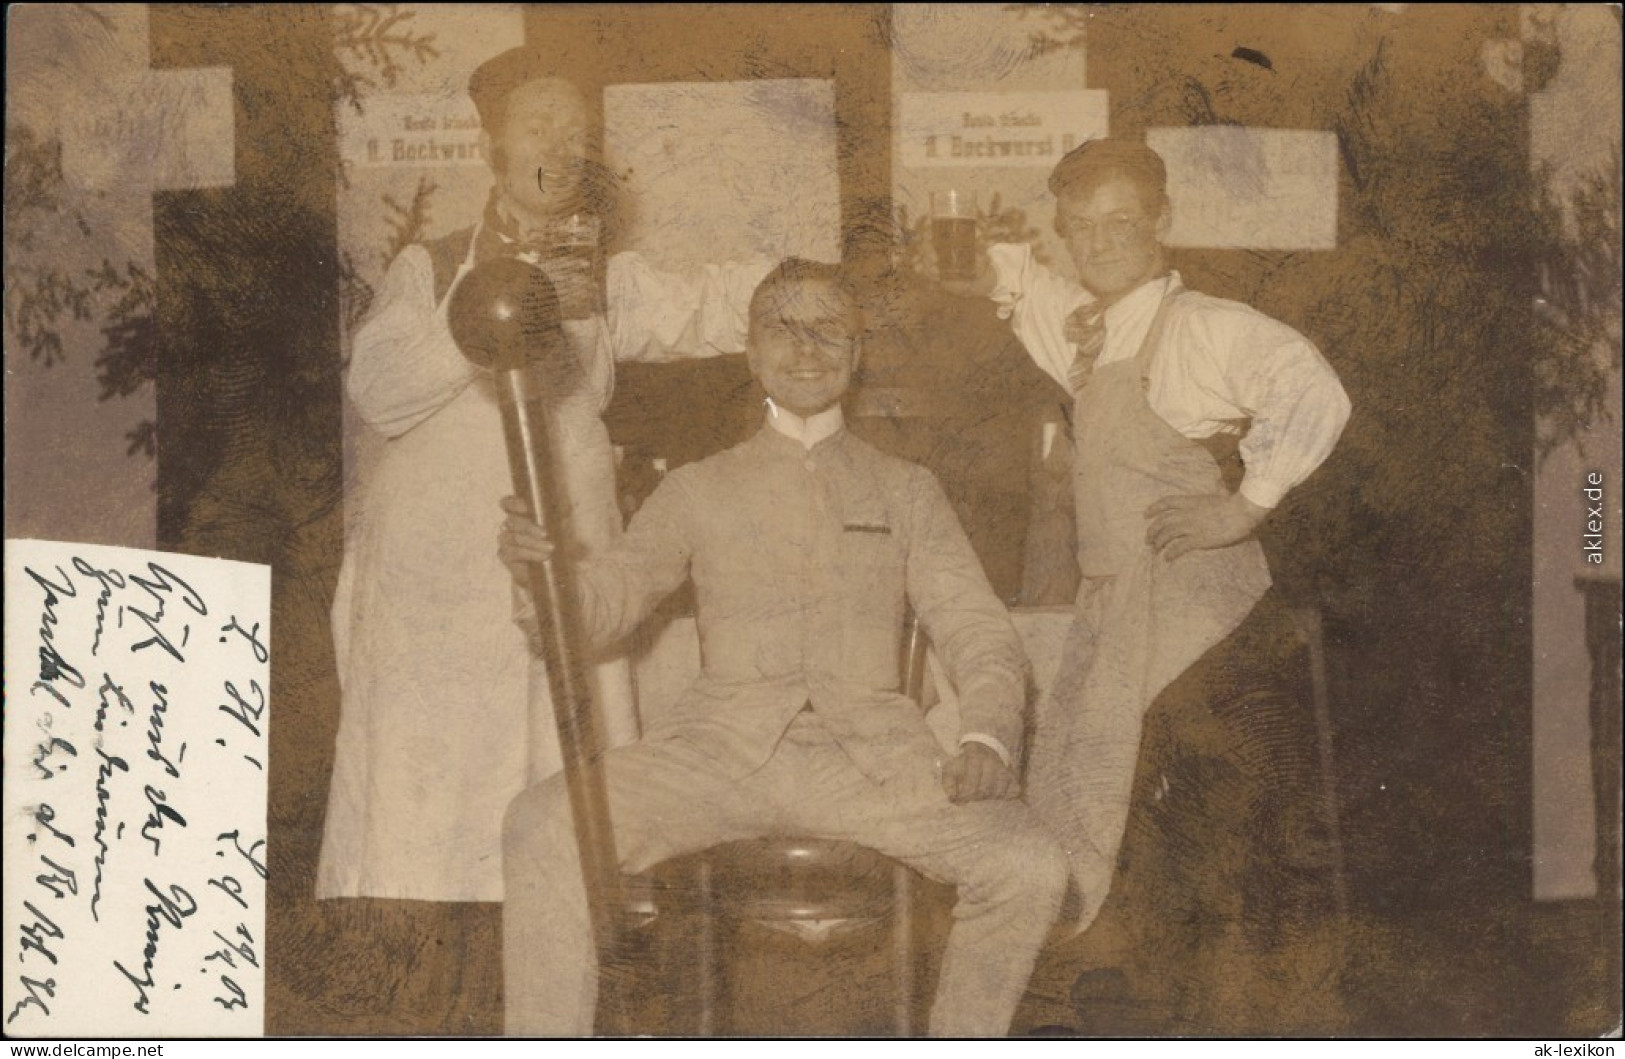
[(132, 127), (81, 93)]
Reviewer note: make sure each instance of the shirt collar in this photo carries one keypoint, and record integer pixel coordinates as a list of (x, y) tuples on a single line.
[(499, 234), (1140, 299), (809, 430)]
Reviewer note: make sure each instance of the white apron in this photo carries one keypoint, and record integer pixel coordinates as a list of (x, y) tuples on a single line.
[(1141, 620), (434, 673)]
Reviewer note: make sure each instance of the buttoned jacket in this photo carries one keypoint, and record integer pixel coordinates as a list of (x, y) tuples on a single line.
[(803, 563)]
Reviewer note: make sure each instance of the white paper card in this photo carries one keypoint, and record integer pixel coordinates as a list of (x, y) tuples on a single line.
[(723, 171), (137, 706)]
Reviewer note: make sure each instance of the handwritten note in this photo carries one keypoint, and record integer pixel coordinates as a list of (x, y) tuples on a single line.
[(137, 706)]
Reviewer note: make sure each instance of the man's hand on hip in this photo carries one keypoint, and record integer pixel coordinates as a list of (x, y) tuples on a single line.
[(1179, 524), (976, 774)]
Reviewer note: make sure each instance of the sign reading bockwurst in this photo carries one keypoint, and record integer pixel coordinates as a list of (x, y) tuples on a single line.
[(412, 130), (996, 129)]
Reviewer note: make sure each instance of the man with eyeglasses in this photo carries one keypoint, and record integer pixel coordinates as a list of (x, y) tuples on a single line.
[(803, 545), (1192, 417)]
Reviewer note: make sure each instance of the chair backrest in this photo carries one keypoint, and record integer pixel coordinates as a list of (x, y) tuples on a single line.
[(913, 666)]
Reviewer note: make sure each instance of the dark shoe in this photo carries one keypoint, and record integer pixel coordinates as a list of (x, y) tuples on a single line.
[(1108, 1005)]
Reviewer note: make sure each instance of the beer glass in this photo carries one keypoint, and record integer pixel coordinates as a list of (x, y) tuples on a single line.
[(576, 241), (953, 233)]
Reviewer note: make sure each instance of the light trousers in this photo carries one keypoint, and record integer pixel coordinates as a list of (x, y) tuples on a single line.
[(670, 797)]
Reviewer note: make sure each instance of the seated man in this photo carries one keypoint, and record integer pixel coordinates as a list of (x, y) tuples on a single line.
[(804, 545)]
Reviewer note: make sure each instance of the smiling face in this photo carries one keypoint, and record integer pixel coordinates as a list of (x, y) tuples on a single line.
[(1114, 241), (539, 153), (803, 343)]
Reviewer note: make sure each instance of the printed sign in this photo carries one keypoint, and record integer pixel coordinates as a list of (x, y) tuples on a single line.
[(996, 128), (172, 128), (411, 130)]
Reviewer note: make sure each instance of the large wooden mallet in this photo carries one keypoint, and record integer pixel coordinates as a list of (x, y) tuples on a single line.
[(504, 316)]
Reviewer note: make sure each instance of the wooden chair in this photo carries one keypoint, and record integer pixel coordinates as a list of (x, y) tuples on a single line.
[(1311, 632), (770, 881)]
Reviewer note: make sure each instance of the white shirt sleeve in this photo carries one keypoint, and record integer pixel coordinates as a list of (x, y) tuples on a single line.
[(1278, 379), (657, 315), (1037, 302), (404, 365), (993, 743)]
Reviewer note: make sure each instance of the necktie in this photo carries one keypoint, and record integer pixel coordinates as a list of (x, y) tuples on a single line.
[(1086, 329)]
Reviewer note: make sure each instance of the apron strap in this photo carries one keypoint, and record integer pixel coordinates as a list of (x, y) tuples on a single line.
[(1224, 447), (448, 255), (1153, 337)]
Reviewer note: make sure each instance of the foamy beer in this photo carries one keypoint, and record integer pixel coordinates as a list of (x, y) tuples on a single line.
[(953, 233)]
